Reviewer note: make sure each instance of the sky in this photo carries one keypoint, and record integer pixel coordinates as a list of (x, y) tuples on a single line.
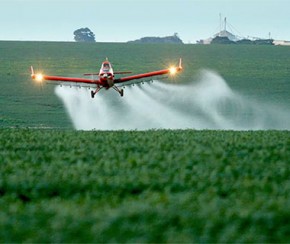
[(125, 20)]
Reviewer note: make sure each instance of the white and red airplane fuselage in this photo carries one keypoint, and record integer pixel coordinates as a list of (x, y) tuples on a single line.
[(106, 75), (106, 79)]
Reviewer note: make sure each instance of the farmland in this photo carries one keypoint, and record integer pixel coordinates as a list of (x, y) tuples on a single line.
[(62, 185), (259, 72), (152, 186)]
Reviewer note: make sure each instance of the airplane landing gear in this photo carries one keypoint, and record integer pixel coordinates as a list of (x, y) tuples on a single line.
[(93, 93), (121, 91)]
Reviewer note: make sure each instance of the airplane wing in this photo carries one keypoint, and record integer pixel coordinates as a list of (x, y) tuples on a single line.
[(41, 77), (171, 71)]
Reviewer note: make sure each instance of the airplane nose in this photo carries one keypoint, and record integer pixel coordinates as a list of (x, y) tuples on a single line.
[(107, 75)]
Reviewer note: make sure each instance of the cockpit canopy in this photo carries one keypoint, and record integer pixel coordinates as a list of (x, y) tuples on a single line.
[(106, 66)]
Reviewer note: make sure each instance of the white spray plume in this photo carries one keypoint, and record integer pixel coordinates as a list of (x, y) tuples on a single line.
[(205, 104)]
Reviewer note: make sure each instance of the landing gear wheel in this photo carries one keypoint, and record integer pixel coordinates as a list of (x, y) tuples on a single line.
[(93, 94), (122, 92)]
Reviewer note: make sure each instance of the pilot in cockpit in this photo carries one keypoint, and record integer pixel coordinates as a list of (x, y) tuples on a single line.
[(106, 66)]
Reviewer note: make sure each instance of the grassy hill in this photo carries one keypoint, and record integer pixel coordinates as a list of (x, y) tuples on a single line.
[(260, 72)]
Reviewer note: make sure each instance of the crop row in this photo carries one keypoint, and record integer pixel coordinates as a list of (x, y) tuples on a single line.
[(154, 186)]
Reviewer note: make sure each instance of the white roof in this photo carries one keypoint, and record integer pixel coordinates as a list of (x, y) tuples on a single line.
[(225, 33)]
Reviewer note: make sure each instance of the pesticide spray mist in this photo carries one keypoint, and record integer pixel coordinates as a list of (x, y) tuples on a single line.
[(207, 103)]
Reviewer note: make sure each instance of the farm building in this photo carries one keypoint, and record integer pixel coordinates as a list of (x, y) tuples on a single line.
[(226, 37)]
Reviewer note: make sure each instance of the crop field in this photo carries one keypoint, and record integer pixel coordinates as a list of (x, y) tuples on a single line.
[(259, 72), (146, 186), (62, 185)]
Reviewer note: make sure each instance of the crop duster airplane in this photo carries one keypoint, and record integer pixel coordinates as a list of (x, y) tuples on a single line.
[(105, 78)]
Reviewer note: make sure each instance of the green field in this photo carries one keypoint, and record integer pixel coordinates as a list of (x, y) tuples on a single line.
[(259, 72), (152, 186), (62, 185)]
